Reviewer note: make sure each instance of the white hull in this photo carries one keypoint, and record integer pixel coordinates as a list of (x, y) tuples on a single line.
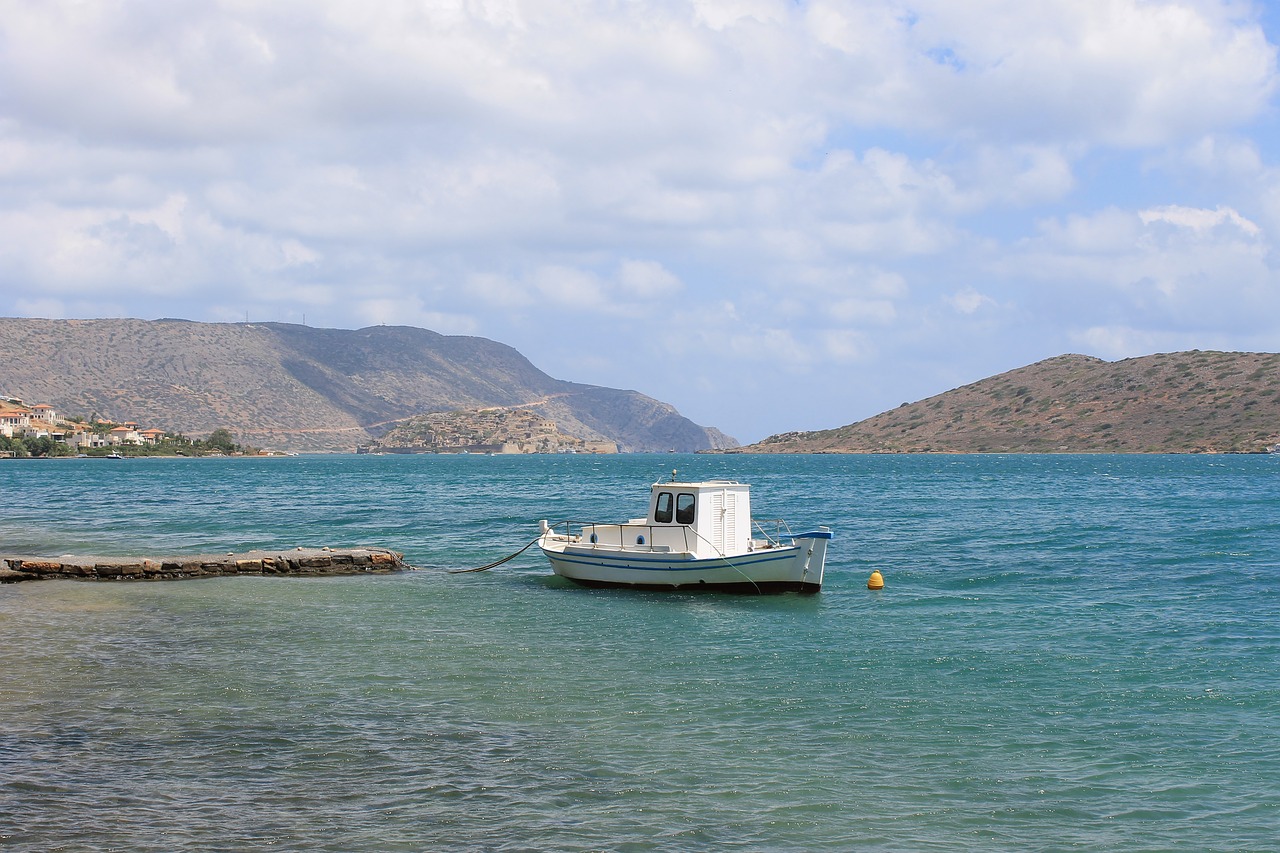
[(796, 567)]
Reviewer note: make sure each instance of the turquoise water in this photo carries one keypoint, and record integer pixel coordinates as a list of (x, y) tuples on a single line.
[(1071, 653)]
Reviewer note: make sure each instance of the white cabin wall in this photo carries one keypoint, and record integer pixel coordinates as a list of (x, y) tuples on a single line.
[(724, 517), (714, 531)]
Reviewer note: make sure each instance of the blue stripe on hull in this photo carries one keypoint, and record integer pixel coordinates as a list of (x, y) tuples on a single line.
[(744, 587), (659, 563), (758, 572)]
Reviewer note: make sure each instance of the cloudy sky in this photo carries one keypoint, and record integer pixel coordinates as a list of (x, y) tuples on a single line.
[(774, 215)]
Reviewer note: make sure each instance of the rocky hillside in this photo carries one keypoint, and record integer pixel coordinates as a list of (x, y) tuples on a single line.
[(507, 429), (1184, 402), (297, 388)]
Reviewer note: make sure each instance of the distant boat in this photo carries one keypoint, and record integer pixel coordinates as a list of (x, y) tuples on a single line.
[(113, 456), (697, 536)]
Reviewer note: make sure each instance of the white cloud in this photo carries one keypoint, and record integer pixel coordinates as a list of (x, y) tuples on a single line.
[(720, 14), (1115, 342), (1171, 273), (1199, 219), (395, 311), (756, 345), (1104, 232), (969, 301), (569, 287), (1015, 175), (498, 290), (877, 312), (1117, 72), (1220, 156), (646, 279), (47, 307), (844, 346), (811, 184)]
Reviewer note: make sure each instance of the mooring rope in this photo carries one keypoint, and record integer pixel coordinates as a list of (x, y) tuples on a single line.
[(495, 563), (726, 561)]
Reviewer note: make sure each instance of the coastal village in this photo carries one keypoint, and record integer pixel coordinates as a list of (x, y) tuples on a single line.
[(42, 426), (18, 420)]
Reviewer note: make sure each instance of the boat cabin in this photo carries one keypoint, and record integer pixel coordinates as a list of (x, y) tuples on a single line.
[(718, 513)]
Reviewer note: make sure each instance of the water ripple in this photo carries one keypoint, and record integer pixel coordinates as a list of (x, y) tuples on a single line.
[(1071, 652)]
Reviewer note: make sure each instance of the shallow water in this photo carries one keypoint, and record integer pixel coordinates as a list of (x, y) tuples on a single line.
[(1071, 652)]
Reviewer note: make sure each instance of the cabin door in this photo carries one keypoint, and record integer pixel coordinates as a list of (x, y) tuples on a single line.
[(724, 520)]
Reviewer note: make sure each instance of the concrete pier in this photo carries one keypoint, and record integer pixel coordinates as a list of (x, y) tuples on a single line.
[(298, 561)]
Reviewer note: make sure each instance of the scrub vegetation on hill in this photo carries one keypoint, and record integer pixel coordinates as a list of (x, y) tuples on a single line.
[(1182, 402)]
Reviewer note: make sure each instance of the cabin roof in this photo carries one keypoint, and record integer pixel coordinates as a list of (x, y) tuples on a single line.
[(701, 484)]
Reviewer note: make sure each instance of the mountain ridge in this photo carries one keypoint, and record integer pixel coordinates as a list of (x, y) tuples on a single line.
[(299, 388), (1180, 402)]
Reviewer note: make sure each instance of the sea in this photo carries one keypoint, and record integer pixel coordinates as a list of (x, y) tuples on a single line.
[(1070, 652)]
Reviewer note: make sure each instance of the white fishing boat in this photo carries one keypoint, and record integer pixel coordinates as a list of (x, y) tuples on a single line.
[(696, 536)]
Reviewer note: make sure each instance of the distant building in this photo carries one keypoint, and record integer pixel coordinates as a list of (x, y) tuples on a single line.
[(44, 412), (13, 420), (124, 435), (83, 438), (42, 421), (151, 436)]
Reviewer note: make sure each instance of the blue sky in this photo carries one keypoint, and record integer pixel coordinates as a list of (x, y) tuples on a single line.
[(773, 215)]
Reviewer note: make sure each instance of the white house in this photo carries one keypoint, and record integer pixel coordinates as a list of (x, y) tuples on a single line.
[(82, 438), (151, 436), (125, 435), (44, 412), (13, 420)]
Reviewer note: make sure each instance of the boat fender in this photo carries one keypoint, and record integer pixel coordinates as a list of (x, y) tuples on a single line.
[(546, 528)]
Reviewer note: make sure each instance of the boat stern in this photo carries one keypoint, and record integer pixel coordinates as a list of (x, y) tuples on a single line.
[(811, 559)]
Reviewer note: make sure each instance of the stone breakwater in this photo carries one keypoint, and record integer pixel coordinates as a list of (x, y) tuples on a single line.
[(299, 561)]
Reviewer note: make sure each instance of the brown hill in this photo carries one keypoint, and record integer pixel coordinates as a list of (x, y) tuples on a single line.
[(1184, 402), (297, 388)]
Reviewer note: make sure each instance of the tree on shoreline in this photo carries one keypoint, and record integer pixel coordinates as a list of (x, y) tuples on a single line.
[(26, 448), (222, 441)]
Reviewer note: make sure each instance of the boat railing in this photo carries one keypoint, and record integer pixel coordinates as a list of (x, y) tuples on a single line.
[(774, 530), (631, 537)]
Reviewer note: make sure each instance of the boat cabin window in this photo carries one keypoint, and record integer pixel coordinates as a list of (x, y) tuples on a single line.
[(684, 509), (662, 510)]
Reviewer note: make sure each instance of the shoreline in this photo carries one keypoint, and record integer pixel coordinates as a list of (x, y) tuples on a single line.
[(302, 562)]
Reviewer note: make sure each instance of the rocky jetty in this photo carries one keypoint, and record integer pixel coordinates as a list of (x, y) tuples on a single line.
[(299, 561)]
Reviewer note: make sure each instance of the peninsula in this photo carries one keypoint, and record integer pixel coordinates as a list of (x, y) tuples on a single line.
[(1181, 402)]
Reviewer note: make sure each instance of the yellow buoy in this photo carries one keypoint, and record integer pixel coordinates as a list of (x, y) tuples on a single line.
[(875, 581)]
